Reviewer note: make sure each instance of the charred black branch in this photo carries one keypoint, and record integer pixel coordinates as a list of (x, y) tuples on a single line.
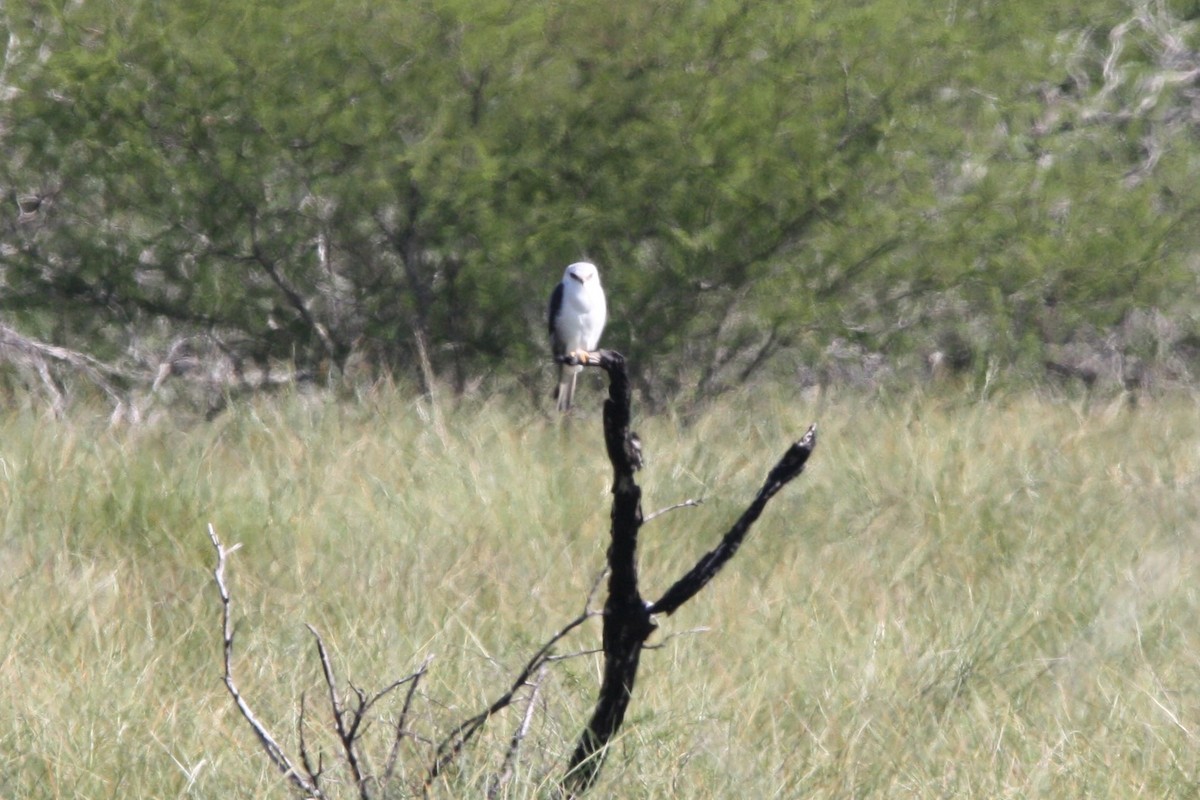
[(791, 465), (627, 617), (627, 623)]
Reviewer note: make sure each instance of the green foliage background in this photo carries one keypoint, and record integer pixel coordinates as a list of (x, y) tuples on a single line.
[(315, 181)]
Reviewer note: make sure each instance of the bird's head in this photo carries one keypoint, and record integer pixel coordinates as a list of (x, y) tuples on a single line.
[(582, 271)]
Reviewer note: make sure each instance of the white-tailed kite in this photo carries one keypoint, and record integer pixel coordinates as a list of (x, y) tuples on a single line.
[(577, 316)]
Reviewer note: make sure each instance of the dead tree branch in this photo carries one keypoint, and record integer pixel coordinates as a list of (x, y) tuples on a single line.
[(347, 734), (305, 759), (402, 722), (689, 503), (458, 738), (514, 745), (349, 723), (789, 466), (627, 624), (627, 617), (25, 351), (306, 782)]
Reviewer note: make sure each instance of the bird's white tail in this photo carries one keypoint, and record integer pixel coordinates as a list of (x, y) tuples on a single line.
[(565, 393)]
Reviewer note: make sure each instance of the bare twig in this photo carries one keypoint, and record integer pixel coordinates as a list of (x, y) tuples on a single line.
[(663, 642), (577, 654), (314, 773), (350, 732), (402, 722), (453, 744), (347, 734), (689, 503), (306, 784), (514, 745)]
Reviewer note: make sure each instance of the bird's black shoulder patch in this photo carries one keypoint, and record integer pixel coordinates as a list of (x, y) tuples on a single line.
[(556, 301)]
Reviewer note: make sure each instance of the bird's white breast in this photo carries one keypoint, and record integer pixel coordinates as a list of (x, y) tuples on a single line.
[(583, 314)]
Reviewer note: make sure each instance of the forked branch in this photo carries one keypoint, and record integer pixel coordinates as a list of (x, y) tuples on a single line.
[(458, 738), (348, 723), (305, 782), (627, 617)]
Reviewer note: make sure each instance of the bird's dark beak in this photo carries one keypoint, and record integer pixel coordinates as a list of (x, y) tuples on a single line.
[(576, 277)]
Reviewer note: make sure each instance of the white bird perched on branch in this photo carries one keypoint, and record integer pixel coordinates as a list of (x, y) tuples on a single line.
[(577, 316)]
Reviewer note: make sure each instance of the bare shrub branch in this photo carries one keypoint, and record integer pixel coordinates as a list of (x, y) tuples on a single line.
[(347, 734), (306, 782), (402, 731), (450, 747), (24, 351), (314, 772), (689, 503), (514, 745)]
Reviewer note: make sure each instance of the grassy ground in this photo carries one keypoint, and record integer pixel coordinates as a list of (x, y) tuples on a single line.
[(956, 599)]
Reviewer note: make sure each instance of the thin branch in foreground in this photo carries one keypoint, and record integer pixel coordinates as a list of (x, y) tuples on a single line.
[(306, 784), (453, 744), (663, 642), (577, 654), (689, 503), (514, 745), (458, 738), (347, 735), (350, 735), (402, 722), (314, 772)]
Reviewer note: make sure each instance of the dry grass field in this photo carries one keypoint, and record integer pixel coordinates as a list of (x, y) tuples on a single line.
[(957, 599)]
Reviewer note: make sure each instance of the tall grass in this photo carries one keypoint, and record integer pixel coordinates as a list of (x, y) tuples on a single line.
[(956, 599)]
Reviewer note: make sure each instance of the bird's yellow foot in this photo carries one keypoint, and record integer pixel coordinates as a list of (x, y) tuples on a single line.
[(582, 355)]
